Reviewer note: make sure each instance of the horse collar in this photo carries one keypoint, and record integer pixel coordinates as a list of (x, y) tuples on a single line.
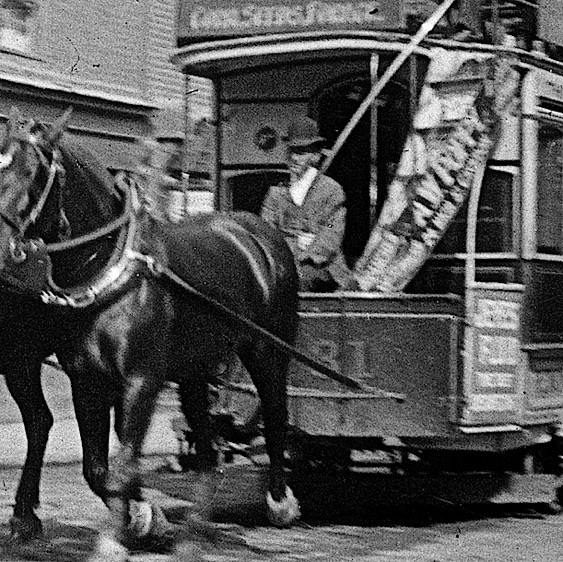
[(113, 277)]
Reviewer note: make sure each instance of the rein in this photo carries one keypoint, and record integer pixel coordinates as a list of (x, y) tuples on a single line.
[(117, 274), (91, 236), (84, 238), (349, 382)]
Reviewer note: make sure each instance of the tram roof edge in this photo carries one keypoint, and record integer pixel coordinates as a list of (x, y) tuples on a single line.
[(223, 56), (217, 57)]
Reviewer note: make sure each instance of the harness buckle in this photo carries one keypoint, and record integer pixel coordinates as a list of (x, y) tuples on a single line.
[(153, 265)]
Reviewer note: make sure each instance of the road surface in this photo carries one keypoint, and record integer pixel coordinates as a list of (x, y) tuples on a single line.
[(72, 515)]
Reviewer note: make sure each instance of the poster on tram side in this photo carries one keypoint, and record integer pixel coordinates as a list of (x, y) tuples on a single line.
[(455, 127)]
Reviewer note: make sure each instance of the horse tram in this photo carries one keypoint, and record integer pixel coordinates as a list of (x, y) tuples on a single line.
[(447, 138)]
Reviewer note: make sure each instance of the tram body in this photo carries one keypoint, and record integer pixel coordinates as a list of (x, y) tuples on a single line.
[(468, 355)]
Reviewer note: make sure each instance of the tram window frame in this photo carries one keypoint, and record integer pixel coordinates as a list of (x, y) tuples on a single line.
[(494, 216), (549, 233), (497, 221)]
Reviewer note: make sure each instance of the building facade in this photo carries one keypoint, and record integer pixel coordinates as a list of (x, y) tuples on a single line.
[(108, 60)]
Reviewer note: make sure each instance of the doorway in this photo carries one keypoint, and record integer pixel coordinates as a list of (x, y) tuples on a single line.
[(370, 154)]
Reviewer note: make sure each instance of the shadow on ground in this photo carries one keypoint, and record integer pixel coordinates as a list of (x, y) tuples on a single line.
[(353, 499), (61, 543)]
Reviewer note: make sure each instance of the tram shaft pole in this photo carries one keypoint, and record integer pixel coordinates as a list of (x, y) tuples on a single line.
[(378, 86)]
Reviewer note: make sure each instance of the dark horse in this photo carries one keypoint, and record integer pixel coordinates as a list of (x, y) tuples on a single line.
[(29, 333), (106, 272)]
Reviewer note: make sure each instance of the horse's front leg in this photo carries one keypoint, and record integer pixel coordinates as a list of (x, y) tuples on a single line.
[(93, 397), (25, 387), (131, 519)]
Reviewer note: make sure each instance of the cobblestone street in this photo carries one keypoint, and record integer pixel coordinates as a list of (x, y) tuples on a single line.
[(72, 515)]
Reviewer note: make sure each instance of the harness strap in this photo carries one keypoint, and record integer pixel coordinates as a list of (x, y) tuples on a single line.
[(81, 297), (130, 204), (349, 382), (54, 167)]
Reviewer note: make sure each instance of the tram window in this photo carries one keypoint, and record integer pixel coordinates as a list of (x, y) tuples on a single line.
[(550, 190), (494, 226), (442, 279)]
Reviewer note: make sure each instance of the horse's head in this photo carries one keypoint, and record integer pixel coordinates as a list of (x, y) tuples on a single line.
[(29, 165)]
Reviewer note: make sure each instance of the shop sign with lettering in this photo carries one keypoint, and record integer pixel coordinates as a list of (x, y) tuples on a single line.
[(211, 18), (455, 127)]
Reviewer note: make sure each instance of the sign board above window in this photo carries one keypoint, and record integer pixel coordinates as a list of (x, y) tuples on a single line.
[(211, 18)]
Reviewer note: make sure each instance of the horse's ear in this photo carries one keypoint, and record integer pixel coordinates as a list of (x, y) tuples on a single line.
[(59, 126)]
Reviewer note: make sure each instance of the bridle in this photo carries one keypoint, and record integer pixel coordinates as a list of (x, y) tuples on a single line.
[(55, 170), (29, 266)]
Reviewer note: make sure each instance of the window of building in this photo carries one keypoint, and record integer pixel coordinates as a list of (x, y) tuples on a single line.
[(18, 24)]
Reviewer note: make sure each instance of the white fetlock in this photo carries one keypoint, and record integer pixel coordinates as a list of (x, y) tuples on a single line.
[(285, 512), (109, 549), (140, 518)]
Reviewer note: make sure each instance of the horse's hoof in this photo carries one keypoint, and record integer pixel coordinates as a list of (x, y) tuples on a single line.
[(24, 529), (108, 549), (150, 531), (140, 518), (285, 512)]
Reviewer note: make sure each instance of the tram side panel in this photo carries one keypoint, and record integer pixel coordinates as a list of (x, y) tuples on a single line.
[(542, 302), (404, 348), (506, 379)]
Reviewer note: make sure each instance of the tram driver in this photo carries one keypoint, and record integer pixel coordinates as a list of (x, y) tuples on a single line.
[(310, 210)]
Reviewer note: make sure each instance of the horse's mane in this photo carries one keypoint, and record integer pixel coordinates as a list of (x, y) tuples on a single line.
[(85, 172)]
